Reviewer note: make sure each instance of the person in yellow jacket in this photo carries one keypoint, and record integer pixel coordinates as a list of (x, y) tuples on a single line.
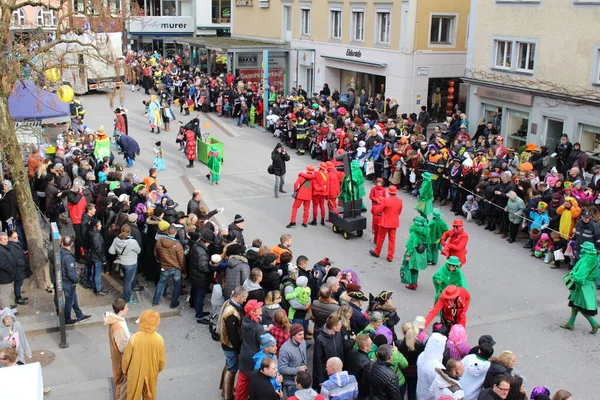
[(144, 358), (569, 213)]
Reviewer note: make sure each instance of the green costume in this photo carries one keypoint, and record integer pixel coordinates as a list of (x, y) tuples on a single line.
[(101, 148), (581, 281), (437, 227), (415, 261), (252, 114), (444, 277), (353, 186), (214, 164), (425, 198)]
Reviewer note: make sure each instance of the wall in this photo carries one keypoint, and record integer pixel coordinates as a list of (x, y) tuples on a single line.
[(423, 24), (255, 22)]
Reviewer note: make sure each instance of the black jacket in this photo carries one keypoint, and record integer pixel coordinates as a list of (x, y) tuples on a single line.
[(96, 246), (251, 332), (495, 369), (271, 279), (85, 229), (8, 266), (327, 345), (68, 268), (8, 206), (279, 160), (358, 321), (21, 264), (381, 382), (199, 266), (236, 233), (261, 387), (488, 394), (193, 207), (357, 361)]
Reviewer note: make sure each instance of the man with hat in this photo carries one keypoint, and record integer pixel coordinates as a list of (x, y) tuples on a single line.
[(580, 282), (454, 242), (453, 304), (303, 194), (200, 272), (320, 192), (293, 358), (236, 229), (251, 332), (449, 274), (358, 321), (376, 195), (390, 209)]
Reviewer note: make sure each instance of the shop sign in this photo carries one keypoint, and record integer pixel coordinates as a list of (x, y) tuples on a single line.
[(226, 13), (247, 60), (243, 3), (171, 24), (263, 4), (255, 75), (353, 53), (423, 71), (306, 58), (505, 95)]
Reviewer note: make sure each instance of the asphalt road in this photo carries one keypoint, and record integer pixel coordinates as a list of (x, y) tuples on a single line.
[(516, 298)]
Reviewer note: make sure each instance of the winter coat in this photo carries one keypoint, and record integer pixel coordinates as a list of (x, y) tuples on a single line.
[(306, 394), (589, 232), (9, 207), (278, 161), (358, 321), (14, 330), (260, 387), (304, 186), (250, 333), (97, 247), (513, 207), (68, 268), (340, 386), (472, 380), (321, 311), (255, 291), (291, 357), (51, 198), (271, 279), (496, 368), (190, 147), (321, 184), (21, 263), (199, 270), (126, 250), (538, 219), (428, 361), (357, 364), (169, 253), (237, 233), (381, 382), (327, 345), (237, 272), (76, 205)]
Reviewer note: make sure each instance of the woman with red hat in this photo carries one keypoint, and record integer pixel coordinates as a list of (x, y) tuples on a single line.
[(454, 242), (453, 304), (320, 192), (303, 194), (377, 194)]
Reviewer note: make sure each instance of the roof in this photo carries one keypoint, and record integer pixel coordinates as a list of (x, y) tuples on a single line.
[(229, 43), (28, 102)]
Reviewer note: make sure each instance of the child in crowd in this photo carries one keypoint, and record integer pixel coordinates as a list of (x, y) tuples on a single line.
[(470, 208), (301, 293), (544, 248), (159, 161)]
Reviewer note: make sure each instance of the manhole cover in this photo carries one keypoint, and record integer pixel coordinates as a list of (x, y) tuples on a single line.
[(44, 357)]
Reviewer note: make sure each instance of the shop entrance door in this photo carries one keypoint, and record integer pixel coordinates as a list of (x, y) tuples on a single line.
[(158, 45), (554, 129), (310, 81)]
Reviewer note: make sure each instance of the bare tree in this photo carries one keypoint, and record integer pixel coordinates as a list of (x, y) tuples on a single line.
[(35, 51)]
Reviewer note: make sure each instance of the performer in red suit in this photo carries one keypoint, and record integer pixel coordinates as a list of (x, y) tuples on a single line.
[(454, 242), (334, 177), (320, 193), (454, 304), (377, 194), (303, 187), (390, 209)]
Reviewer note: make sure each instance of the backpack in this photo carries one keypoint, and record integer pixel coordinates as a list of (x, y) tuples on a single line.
[(213, 327)]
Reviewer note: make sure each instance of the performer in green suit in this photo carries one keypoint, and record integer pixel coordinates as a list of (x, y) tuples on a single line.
[(415, 257), (437, 227), (425, 198), (449, 274)]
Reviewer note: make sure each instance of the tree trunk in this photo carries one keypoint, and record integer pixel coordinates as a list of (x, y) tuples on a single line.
[(29, 214)]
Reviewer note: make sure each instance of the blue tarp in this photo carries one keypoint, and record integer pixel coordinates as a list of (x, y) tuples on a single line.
[(29, 102)]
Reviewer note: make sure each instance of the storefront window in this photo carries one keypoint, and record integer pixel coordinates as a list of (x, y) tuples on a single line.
[(221, 11), (493, 114), (442, 97), (590, 143), (518, 126), (373, 84)]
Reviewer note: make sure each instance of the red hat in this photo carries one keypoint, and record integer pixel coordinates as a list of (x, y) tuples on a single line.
[(323, 165), (458, 222), (450, 292), (251, 306), (379, 180), (330, 164), (499, 139), (392, 189), (310, 168)]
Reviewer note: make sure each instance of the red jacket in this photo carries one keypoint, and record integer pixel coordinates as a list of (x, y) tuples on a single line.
[(376, 193), (453, 310), (321, 184), (304, 186), (335, 178), (120, 124), (390, 210), (76, 210), (456, 244)]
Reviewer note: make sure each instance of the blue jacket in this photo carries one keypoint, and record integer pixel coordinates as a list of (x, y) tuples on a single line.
[(358, 321), (375, 152), (68, 268), (258, 357), (538, 219)]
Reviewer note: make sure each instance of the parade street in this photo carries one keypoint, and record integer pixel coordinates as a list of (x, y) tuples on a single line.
[(514, 297)]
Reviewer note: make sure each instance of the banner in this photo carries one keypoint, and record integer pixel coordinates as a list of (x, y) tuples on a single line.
[(255, 75)]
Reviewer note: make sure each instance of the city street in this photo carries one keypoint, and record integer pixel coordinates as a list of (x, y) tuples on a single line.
[(516, 298)]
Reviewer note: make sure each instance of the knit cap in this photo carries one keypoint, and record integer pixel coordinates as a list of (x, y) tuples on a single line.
[(267, 340), (295, 329), (163, 226), (302, 281)]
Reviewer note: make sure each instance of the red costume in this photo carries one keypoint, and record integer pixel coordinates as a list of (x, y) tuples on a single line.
[(304, 192), (390, 209), (454, 304), (334, 177), (320, 193), (190, 148), (454, 242), (376, 194)]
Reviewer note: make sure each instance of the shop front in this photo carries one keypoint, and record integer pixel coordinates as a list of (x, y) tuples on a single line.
[(442, 97), (158, 33)]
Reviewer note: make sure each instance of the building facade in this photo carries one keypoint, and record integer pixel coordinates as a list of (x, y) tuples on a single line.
[(543, 76), (412, 51)]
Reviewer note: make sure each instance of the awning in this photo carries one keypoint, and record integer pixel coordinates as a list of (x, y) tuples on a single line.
[(369, 63)]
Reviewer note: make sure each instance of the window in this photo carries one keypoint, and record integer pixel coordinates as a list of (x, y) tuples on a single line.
[(305, 21), (526, 56), (18, 18), (335, 24), (358, 25), (46, 17), (503, 54), (596, 74), (78, 6), (383, 27), (442, 29)]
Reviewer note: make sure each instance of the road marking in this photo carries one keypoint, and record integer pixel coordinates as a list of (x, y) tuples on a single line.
[(227, 131)]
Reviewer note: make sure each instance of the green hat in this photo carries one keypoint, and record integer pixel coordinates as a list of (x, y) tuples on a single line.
[(214, 149), (315, 106), (436, 213), (453, 260), (426, 176), (589, 246)]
